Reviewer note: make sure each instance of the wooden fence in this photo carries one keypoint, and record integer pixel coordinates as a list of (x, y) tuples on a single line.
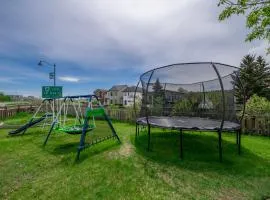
[(6, 112), (259, 125), (250, 124)]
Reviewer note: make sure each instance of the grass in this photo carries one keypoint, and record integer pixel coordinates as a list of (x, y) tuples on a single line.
[(127, 171)]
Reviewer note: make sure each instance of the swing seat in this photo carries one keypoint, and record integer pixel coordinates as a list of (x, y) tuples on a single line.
[(97, 112), (75, 129)]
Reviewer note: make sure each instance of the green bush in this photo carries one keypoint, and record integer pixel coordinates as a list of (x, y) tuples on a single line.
[(184, 105), (257, 106), (4, 98)]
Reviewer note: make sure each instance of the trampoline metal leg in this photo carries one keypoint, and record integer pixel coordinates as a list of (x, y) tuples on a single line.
[(181, 143), (220, 145), (136, 131), (237, 137), (239, 141), (149, 131)]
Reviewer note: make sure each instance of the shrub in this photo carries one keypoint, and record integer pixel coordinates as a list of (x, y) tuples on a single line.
[(182, 106), (257, 106)]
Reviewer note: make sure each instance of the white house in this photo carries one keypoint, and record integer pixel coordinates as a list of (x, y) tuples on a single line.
[(129, 93), (115, 95)]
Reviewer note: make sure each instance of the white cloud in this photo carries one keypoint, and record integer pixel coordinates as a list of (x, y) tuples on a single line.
[(6, 80), (104, 33), (260, 49), (69, 79)]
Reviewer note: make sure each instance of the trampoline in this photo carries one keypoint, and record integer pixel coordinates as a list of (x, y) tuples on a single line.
[(188, 123), (191, 96)]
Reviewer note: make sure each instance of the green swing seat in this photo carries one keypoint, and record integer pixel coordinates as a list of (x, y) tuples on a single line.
[(75, 129)]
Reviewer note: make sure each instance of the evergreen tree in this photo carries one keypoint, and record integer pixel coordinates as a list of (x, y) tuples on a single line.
[(157, 87), (254, 75), (158, 96)]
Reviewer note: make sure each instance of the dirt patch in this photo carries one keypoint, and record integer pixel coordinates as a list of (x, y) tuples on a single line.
[(167, 179), (231, 194), (125, 150)]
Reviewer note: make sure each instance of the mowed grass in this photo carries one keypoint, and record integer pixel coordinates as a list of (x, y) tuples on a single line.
[(110, 170)]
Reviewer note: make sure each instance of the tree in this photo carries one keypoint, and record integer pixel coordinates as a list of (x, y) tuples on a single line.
[(157, 87), (182, 90), (4, 97), (158, 100), (257, 105), (253, 78), (258, 16)]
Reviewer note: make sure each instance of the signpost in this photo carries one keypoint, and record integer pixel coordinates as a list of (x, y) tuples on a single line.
[(52, 92), (51, 75)]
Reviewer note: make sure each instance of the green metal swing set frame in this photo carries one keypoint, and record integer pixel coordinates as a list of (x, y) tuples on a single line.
[(86, 126)]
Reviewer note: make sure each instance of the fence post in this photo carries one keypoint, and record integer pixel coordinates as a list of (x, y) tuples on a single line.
[(5, 112)]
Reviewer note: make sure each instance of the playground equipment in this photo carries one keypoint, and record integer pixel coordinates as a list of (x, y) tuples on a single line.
[(192, 96), (47, 107), (83, 123), (87, 108)]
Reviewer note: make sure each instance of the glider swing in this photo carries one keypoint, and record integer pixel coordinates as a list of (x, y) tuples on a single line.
[(83, 123), (77, 126)]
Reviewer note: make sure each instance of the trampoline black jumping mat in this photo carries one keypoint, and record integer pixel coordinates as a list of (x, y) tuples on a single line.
[(188, 123)]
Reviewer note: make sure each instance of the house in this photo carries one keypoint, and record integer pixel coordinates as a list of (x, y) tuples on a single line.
[(129, 93), (101, 94), (115, 95), (16, 97)]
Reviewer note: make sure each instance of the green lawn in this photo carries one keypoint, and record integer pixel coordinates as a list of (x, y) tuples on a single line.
[(127, 171)]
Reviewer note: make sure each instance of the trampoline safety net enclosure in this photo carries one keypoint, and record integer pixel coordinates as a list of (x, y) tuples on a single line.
[(190, 96)]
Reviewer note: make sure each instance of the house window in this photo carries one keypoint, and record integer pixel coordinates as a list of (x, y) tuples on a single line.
[(125, 102), (111, 101)]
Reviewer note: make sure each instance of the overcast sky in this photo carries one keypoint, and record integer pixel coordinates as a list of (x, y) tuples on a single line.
[(96, 44)]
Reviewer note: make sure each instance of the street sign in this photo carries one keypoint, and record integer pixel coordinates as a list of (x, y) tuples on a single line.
[(51, 75), (52, 92)]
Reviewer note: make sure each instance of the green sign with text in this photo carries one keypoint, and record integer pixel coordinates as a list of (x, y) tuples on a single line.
[(52, 92)]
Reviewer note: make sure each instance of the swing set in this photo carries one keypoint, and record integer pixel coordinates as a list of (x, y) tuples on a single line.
[(86, 108)]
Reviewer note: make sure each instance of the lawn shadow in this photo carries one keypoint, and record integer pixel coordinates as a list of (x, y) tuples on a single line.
[(65, 148), (200, 153), (70, 150), (97, 149)]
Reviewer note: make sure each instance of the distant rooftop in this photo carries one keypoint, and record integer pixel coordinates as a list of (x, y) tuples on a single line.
[(118, 87), (132, 89)]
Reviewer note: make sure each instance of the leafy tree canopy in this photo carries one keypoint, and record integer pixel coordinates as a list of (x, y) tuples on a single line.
[(257, 106), (258, 16), (4, 97)]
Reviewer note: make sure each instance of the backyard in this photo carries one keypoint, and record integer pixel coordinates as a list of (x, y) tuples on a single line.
[(111, 170)]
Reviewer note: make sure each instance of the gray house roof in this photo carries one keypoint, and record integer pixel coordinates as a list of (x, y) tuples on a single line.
[(118, 87), (132, 89)]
